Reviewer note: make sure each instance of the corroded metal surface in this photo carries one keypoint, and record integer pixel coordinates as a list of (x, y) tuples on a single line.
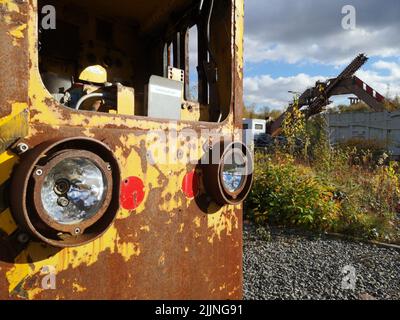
[(315, 99), (14, 56), (26, 185), (226, 153), (12, 129), (168, 245)]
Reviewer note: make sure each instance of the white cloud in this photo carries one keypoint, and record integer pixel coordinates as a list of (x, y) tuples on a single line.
[(387, 83), (310, 30), (336, 49), (273, 92)]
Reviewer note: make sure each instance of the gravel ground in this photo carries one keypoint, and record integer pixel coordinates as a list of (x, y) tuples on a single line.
[(298, 265)]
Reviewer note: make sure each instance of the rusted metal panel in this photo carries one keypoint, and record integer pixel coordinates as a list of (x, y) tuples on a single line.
[(169, 247), (237, 67), (14, 55), (170, 242), (12, 129)]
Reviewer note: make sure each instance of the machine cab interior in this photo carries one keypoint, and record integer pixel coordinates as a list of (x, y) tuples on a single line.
[(137, 58)]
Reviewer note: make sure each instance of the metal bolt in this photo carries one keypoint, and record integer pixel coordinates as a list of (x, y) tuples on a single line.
[(39, 172), (63, 202), (180, 154), (207, 146), (61, 187), (109, 168), (23, 238), (22, 148), (77, 231)]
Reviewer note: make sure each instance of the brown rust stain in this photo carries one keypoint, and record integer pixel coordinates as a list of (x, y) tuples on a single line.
[(191, 267), (13, 59)]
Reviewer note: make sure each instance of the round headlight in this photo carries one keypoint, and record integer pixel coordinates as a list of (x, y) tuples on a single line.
[(233, 171), (73, 191), (66, 191), (230, 175)]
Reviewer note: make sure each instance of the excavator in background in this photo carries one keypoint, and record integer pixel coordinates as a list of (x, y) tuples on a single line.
[(314, 100)]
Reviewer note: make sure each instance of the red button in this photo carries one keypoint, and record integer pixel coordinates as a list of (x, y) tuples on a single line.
[(132, 193), (190, 185)]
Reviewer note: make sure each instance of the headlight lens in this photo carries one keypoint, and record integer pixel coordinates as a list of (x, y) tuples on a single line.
[(228, 178), (73, 191), (234, 171), (66, 191)]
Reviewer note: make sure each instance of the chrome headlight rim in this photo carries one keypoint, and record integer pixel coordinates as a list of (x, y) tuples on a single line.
[(57, 158), (23, 183), (213, 174), (232, 149)]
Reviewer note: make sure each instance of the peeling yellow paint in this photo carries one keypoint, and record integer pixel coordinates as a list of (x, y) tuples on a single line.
[(7, 19), (88, 133), (7, 223), (128, 250), (16, 108), (45, 110), (65, 259), (145, 228), (223, 220), (7, 162), (18, 31), (17, 34), (10, 5), (174, 182), (239, 35), (234, 291), (161, 260), (197, 222), (78, 288), (131, 165)]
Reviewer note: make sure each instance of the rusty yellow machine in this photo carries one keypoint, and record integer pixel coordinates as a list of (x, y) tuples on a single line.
[(122, 174)]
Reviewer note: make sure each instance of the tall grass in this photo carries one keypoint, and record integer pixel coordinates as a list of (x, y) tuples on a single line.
[(350, 189)]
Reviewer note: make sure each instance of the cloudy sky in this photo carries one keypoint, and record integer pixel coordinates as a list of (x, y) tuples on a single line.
[(290, 44)]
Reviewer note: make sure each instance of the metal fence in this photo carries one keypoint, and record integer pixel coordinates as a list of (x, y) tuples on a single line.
[(378, 126)]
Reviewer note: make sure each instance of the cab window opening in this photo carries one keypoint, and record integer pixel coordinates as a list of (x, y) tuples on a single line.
[(192, 92), (170, 61)]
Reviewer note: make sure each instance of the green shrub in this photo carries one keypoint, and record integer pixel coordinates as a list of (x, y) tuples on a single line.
[(352, 189), (365, 152), (290, 194), (336, 197)]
